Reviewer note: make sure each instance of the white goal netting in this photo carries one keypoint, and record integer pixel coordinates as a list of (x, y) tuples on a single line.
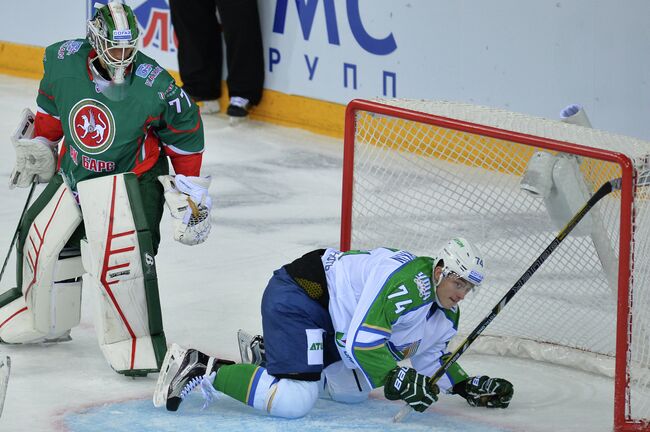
[(417, 183)]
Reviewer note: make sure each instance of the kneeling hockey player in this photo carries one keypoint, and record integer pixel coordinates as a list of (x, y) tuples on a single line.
[(97, 221), (336, 323)]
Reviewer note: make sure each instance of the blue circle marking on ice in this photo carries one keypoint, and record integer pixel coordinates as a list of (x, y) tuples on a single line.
[(229, 415)]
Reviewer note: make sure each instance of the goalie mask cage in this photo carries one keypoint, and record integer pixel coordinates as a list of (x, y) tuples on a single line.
[(417, 173)]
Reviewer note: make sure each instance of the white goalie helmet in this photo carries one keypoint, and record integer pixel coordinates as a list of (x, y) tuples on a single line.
[(113, 33), (462, 259)]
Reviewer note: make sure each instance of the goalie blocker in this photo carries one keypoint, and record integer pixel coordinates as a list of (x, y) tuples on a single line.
[(116, 259)]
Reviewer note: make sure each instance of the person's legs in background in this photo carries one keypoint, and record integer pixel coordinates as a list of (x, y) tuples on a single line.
[(199, 50), (244, 54)]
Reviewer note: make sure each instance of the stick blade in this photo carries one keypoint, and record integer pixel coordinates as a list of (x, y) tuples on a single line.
[(402, 414), (5, 371)]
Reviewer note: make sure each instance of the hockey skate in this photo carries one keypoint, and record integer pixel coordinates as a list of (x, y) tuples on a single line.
[(251, 348), (65, 337), (238, 110), (182, 371), (209, 106)]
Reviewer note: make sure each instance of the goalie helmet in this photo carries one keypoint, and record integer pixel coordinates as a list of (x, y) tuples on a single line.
[(113, 33), (460, 258)]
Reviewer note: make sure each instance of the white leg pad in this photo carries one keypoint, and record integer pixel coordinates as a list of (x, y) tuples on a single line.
[(344, 385), (118, 270), (292, 398), (122, 351), (47, 309), (17, 323)]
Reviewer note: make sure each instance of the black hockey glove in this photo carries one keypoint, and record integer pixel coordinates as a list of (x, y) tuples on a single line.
[(483, 391), (413, 388)]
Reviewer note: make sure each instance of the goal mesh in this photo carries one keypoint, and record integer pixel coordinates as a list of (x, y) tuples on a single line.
[(413, 180)]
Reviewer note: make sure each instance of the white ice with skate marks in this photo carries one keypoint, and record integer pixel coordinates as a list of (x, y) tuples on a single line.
[(277, 195)]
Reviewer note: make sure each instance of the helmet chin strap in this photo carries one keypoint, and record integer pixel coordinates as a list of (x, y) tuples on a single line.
[(118, 75), (108, 87), (101, 69)]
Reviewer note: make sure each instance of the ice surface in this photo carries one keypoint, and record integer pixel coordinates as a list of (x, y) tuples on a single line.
[(277, 195)]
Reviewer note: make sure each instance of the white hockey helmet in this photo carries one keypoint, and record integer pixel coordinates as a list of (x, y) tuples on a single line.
[(113, 33), (460, 258)]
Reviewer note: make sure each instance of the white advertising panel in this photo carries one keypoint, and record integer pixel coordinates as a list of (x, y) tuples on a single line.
[(533, 57)]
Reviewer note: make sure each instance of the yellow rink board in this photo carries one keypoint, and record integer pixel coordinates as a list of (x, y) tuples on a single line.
[(327, 118)]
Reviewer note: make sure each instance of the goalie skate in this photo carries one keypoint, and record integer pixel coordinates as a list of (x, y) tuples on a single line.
[(251, 348), (5, 369)]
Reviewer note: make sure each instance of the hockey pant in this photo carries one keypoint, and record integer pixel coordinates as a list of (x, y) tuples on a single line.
[(115, 262)]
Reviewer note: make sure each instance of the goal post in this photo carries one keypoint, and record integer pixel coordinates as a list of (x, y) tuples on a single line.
[(416, 173)]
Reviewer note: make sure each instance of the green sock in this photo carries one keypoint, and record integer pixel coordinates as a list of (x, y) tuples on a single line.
[(235, 381)]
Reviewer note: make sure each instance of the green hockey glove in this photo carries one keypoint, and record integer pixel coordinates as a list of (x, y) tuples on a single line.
[(483, 391), (413, 388)]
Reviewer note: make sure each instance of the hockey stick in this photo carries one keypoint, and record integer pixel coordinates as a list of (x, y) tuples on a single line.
[(5, 371), (604, 190), (20, 221)]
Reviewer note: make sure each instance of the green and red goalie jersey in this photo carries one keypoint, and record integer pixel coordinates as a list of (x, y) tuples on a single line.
[(103, 136)]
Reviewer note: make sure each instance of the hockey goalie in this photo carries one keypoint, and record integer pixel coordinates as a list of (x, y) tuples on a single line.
[(109, 118)]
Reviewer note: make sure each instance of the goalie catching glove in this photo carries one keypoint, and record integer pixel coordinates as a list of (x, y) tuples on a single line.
[(189, 204), (483, 391), (35, 157), (415, 389)]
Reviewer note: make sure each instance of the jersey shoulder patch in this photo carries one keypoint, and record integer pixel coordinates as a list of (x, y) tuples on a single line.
[(151, 74), (63, 49), (66, 58)]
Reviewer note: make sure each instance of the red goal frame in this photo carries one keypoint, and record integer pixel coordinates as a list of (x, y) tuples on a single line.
[(622, 419)]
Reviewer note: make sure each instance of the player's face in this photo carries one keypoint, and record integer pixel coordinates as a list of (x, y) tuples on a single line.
[(119, 54), (451, 289)]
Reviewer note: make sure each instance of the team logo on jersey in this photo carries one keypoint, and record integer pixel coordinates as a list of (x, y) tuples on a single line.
[(68, 47), (92, 126), (423, 283), (403, 257), (144, 70), (401, 352), (152, 76)]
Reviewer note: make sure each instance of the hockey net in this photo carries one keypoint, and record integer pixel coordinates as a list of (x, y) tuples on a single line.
[(417, 173)]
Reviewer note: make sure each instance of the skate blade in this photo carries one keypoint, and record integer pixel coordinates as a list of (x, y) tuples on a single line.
[(244, 340), (168, 370)]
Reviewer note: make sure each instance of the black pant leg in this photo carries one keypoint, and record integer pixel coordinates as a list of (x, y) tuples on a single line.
[(199, 51), (244, 51)]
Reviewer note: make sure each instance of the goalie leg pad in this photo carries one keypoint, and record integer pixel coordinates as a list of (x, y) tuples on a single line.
[(47, 303), (119, 259)]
